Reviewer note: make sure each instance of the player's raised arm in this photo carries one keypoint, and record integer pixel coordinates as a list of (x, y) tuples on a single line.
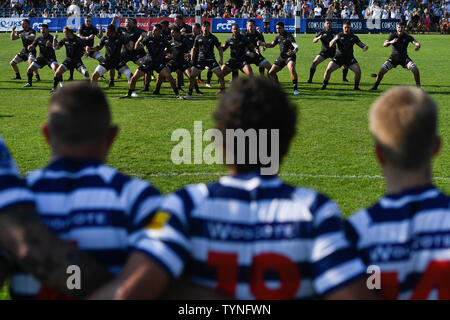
[(33, 45), (14, 35), (272, 44), (416, 45), (317, 38), (225, 46), (391, 40), (97, 47), (333, 41), (138, 45), (57, 45), (363, 46)]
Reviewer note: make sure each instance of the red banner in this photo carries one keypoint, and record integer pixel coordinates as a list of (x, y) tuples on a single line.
[(148, 23)]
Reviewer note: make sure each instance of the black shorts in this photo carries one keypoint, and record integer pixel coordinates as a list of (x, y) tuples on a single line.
[(174, 65), (70, 63), (235, 64), (24, 54), (92, 54), (256, 60), (327, 54), (395, 61), (113, 64), (133, 55), (42, 61), (344, 61), (282, 61), (211, 64), (149, 65)]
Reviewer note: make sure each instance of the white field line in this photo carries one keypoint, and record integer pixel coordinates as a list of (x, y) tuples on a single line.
[(300, 175)]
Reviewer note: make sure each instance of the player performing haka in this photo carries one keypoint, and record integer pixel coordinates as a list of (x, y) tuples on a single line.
[(288, 51), (257, 39), (75, 48), (345, 41), (325, 36), (241, 49), (46, 54), (88, 32), (179, 58), (190, 37), (399, 55), (156, 46), (113, 42), (27, 35), (204, 47), (131, 33)]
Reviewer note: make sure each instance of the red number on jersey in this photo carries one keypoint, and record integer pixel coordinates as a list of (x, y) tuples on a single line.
[(287, 271), (389, 285), (436, 276), (227, 274)]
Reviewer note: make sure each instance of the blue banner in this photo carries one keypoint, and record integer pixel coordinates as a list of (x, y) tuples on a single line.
[(224, 25), (358, 25), (57, 24)]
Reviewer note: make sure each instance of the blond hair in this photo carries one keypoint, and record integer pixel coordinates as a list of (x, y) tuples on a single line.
[(403, 122)]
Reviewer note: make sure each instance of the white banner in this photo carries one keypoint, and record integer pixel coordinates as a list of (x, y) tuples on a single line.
[(6, 24)]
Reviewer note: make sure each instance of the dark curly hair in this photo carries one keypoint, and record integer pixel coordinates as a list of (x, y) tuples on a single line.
[(256, 103)]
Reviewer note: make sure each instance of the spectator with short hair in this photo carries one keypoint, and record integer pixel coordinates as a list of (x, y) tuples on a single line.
[(74, 10)]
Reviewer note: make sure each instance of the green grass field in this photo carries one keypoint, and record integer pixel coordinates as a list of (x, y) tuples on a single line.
[(332, 151)]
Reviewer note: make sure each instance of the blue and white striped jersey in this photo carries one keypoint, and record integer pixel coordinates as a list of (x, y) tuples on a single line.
[(407, 236), (254, 237), (13, 190), (94, 206)]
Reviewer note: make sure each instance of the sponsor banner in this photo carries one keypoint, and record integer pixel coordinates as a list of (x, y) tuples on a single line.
[(148, 23), (54, 24), (289, 25), (224, 25), (358, 25), (6, 24)]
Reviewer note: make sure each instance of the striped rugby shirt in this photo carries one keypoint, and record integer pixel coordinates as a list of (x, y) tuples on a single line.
[(254, 237), (408, 236), (13, 189), (93, 205)]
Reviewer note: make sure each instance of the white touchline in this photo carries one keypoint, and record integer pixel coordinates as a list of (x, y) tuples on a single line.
[(301, 175)]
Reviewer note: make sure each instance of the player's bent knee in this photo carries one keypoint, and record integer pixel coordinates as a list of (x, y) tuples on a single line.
[(412, 67), (100, 70)]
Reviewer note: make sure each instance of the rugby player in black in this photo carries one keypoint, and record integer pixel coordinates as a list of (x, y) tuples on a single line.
[(27, 35), (241, 49), (344, 54), (113, 42), (88, 32), (186, 31), (325, 36), (75, 48), (131, 33), (184, 28), (399, 56), (190, 37), (46, 54), (288, 51), (157, 46), (202, 54), (166, 30), (257, 39), (178, 59)]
